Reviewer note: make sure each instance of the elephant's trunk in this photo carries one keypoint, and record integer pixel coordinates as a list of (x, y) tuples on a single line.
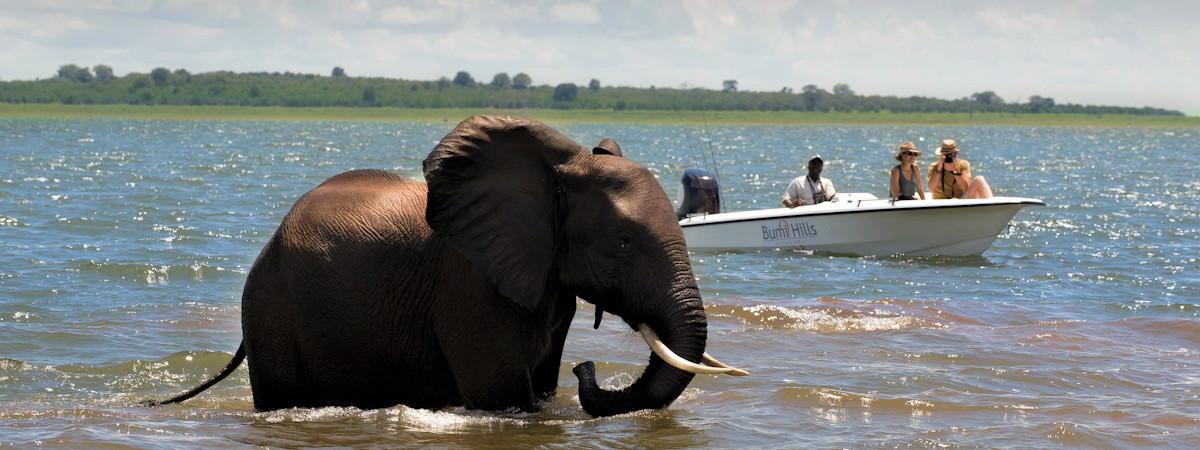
[(684, 329)]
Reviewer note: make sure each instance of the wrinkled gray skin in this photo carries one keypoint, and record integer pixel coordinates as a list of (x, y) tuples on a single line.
[(377, 290)]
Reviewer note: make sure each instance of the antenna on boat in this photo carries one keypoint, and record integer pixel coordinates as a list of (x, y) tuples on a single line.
[(711, 153)]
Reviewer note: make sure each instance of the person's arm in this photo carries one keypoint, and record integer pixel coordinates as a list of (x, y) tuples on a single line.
[(917, 176), (792, 198), (830, 192), (895, 185), (963, 175), (935, 177)]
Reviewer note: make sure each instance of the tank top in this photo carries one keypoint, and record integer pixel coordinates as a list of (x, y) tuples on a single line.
[(908, 186)]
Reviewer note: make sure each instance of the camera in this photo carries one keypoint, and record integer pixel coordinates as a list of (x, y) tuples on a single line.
[(949, 158)]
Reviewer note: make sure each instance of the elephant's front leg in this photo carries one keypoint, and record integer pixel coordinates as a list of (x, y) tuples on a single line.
[(545, 374), (489, 356)]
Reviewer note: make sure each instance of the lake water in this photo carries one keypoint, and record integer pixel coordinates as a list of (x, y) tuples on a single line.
[(124, 246)]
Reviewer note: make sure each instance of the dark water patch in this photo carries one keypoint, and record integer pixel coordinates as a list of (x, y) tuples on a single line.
[(86, 225), (1183, 332), (56, 338), (1074, 434), (1056, 340), (173, 309), (1110, 381), (1179, 308), (909, 261), (1171, 419)]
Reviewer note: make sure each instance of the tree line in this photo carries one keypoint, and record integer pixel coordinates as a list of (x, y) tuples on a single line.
[(74, 84)]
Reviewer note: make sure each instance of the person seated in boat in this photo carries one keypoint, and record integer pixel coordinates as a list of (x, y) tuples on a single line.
[(950, 176), (906, 176), (810, 189)]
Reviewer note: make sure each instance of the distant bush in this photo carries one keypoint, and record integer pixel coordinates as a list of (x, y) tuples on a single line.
[(160, 75), (74, 84)]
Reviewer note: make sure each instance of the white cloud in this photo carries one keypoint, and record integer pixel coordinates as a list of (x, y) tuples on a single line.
[(575, 13), (108, 6), (43, 26), (357, 5), (337, 40), (403, 15), (1017, 24), (281, 12), (202, 9)]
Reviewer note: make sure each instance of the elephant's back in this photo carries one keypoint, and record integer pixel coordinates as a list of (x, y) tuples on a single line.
[(363, 177), (358, 207)]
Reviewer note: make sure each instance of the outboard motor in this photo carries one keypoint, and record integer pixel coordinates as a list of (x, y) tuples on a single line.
[(699, 192)]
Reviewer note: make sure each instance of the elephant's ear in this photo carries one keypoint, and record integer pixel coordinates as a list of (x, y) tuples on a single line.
[(493, 195), (607, 146)]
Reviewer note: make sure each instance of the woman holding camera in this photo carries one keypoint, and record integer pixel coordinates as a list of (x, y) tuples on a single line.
[(950, 177), (907, 187)]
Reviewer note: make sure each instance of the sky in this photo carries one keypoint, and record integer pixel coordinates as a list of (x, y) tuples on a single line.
[(1126, 53)]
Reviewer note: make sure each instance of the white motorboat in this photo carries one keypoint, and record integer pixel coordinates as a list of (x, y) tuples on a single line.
[(857, 224)]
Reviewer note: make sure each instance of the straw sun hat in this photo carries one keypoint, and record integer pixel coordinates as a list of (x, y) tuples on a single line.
[(907, 147), (948, 146)]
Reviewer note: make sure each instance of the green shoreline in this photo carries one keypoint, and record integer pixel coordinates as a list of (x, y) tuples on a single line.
[(184, 112)]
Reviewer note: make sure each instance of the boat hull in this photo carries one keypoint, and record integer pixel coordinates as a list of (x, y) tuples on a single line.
[(863, 227)]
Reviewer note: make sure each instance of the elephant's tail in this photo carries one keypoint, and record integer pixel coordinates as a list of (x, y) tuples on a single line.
[(238, 357)]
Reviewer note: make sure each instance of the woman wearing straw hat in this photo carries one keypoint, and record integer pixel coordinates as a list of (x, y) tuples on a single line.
[(950, 177), (907, 187)]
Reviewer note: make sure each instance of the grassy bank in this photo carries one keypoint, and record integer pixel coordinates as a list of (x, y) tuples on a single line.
[(554, 115)]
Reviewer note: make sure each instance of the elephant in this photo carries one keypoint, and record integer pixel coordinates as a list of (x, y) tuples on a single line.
[(377, 290)]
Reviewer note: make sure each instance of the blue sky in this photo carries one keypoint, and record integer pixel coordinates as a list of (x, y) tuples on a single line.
[(1096, 52)]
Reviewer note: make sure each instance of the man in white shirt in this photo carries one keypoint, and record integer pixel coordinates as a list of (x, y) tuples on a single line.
[(810, 189)]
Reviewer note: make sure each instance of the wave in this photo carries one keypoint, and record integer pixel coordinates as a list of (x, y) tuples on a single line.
[(183, 363), (836, 315), (562, 409), (925, 403), (153, 273), (1090, 435), (14, 365), (1185, 330), (123, 383), (8, 221), (25, 312), (450, 420)]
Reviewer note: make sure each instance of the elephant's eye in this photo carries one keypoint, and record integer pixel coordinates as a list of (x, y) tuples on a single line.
[(624, 245)]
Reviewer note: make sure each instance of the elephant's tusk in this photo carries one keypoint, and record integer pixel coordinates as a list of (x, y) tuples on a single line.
[(710, 361), (676, 361)]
